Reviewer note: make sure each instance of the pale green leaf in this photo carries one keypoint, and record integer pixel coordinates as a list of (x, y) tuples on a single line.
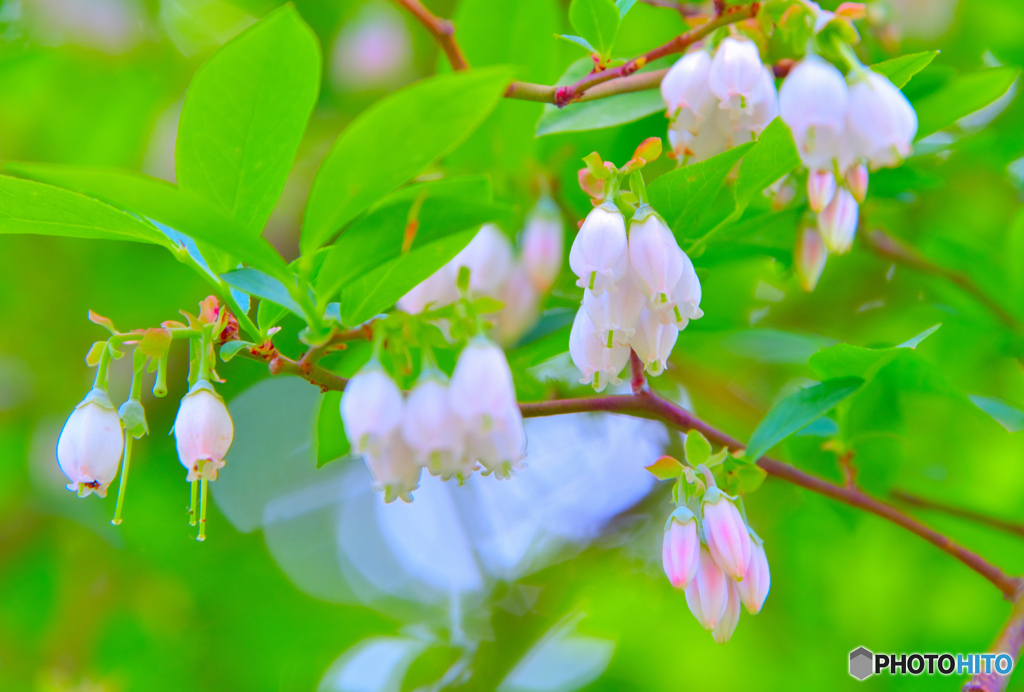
[(597, 21)]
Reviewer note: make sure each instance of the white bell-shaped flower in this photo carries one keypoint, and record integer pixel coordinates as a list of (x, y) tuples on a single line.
[(857, 181), (615, 314), (708, 594), (881, 122), (599, 255), (744, 125), (812, 102), (724, 631), (431, 428), (726, 534), (500, 444), (685, 90), (90, 445), (598, 363), (392, 463), (371, 408), (481, 388), (754, 588), (712, 137), (202, 432), (736, 73), (684, 302), (821, 186), (436, 291), (838, 222), (653, 342), (810, 257), (488, 257), (543, 245), (520, 306), (655, 258)]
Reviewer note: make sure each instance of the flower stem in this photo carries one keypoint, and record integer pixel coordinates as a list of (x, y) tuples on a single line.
[(103, 368), (204, 485), (192, 508), (116, 521)]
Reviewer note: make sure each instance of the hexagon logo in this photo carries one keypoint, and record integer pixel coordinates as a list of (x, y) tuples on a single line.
[(861, 663)]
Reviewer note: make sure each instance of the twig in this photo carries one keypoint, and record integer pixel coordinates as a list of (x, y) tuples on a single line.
[(924, 503), (1010, 641), (442, 30), (886, 246), (684, 9)]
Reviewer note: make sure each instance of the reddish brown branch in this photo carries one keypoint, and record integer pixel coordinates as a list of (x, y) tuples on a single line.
[(1010, 641), (684, 9), (924, 503), (442, 30)]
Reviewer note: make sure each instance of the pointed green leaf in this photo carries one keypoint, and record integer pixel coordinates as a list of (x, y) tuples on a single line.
[(900, 70), (684, 194), (597, 21), (698, 449), (773, 156), (962, 96)]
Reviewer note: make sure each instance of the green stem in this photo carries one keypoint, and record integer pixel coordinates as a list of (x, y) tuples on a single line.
[(204, 486), (103, 368), (116, 521), (204, 353), (192, 508), (851, 59), (160, 385)]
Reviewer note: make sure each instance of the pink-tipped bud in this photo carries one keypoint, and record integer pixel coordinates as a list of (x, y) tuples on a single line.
[(680, 549), (708, 593), (90, 445), (857, 181), (726, 534), (202, 432), (727, 626), (838, 222), (810, 257), (754, 588), (543, 245), (821, 186)]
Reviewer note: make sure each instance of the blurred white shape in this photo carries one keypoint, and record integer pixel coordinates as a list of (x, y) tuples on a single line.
[(560, 662), (158, 160), (112, 26), (200, 26), (372, 50), (923, 19), (377, 664)]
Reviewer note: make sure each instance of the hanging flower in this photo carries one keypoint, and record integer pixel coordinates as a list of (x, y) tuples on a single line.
[(488, 257), (520, 306), (432, 430), (708, 593), (481, 388), (809, 258), (653, 342), (726, 533), (881, 122), (590, 353), (202, 432), (736, 73), (543, 245), (812, 102), (680, 548), (90, 445), (654, 256), (685, 90), (838, 222), (436, 291), (394, 469), (857, 181), (723, 632), (371, 408), (599, 256), (755, 586), (821, 187), (615, 314)]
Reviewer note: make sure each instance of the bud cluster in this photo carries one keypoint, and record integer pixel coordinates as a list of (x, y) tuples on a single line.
[(718, 99), (518, 283), (446, 426)]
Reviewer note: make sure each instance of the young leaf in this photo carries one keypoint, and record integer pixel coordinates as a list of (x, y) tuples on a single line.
[(698, 449), (597, 21), (393, 141), (796, 411), (900, 70), (962, 96), (665, 468), (233, 348), (686, 192), (244, 115), (579, 41)]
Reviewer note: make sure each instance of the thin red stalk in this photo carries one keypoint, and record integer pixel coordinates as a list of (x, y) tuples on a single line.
[(1010, 641), (442, 30)]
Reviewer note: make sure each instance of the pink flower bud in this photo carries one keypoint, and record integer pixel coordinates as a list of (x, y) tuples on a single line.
[(736, 73), (881, 121), (90, 445), (393, 467), (755, 586), (654, 341), (599, 255), (680, 548), (685, 89), (812, 102), (488, 257), (708, 593), (202, 432), (810, 258), (857, 181), (654, 256), (723, 632), (520, 306), (589, 351), (821, 186), (726, 534), (617, 312), (436, 291), (543, 245), (838, 222), (371, 408)]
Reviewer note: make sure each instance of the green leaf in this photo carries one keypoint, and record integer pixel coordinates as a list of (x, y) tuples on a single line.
[(698, 449), (772, 156), (393, 141), (665, 468), (264, 287), (36, 208), (377, 237), (331, 441), (599, 113), (233, 348), (900, 70), (378, 290), (164, 203), (962, 96), (685, 193), (579, 41), (798, 410), (597, 21), (624, 6), (244, 115), (1007, 415)]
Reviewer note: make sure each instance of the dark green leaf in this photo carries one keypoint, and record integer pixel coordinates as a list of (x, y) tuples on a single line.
[(393, 141), (597, 21), (900, 70), (796, 411), (244, 115), (685, 193), (962, 96), (255, 282)]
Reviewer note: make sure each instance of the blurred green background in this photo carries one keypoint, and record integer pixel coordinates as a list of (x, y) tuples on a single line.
[(87, 606)]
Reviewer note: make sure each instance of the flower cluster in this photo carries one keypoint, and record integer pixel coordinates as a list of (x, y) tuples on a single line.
[(639, 290), (447, 427), (494, 271), (717, 560), (842, 127), (715, 103)]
